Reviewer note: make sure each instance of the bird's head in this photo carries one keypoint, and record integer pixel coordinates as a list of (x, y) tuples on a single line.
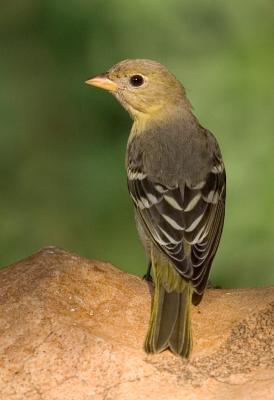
[(143, 87)]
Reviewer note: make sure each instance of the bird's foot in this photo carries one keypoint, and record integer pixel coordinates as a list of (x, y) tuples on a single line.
[(147, 277)]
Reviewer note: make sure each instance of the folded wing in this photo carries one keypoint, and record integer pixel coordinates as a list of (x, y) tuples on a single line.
[(185, 221)]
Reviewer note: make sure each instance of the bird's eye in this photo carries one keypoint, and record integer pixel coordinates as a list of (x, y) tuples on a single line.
[(136, 80)]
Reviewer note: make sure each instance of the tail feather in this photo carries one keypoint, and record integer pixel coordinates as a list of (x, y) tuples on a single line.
[(170, 321), (181, 339), (166, 320)]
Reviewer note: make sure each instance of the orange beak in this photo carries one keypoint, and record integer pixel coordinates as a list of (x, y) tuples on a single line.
[(103, 82)]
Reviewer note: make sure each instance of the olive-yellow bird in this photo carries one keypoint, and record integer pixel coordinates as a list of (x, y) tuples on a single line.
[(176, 178)]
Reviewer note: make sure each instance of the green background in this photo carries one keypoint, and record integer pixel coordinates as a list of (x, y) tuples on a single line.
[(62, 143)]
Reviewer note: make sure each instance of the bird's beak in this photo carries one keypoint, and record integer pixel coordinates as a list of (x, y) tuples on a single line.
[(103, 82)]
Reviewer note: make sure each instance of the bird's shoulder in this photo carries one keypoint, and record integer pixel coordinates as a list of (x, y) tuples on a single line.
[(173, 152)]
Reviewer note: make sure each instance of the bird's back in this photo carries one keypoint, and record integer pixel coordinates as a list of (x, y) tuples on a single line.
[(173, 152)]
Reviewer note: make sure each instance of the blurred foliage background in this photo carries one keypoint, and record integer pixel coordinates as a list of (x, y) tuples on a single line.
[(62, 144)]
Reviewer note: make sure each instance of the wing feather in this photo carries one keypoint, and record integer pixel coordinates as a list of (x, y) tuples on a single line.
[(183, 217)]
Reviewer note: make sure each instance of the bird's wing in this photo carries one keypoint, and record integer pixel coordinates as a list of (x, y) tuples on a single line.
[(205, 238), (184, 222)]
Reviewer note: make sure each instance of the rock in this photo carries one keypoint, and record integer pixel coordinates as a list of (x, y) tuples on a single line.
[(73, 329)]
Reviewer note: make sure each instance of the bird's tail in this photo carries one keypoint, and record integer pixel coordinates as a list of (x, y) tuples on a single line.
[(170, 320)]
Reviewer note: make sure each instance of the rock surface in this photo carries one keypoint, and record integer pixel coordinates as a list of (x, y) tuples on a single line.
[(73, 329)]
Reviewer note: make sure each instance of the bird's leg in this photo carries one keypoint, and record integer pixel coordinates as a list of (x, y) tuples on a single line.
[(147, 277)]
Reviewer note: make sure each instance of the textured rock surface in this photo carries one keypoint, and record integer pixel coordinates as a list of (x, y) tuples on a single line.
[(72, 329)]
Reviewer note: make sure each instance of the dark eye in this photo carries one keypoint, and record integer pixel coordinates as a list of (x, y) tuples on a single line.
[(136, 80)]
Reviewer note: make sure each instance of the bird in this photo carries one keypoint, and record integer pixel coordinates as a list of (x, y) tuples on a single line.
[(177, 181)]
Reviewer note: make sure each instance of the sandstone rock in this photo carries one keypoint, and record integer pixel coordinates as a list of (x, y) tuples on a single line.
[(73, 329)]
